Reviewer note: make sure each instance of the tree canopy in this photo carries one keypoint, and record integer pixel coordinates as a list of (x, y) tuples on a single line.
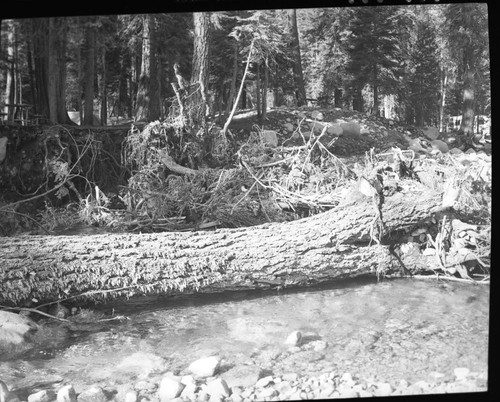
[(427, 61)]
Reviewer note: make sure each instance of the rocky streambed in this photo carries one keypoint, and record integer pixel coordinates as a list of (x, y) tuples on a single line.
[(203, 381), (357, 339)]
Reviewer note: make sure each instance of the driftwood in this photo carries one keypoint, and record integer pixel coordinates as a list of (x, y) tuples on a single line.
[(336, 244)]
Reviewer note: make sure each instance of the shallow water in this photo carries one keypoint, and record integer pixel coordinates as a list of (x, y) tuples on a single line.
[(388, 330)]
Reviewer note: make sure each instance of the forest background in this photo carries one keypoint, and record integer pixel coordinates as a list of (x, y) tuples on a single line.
[(417, 64)]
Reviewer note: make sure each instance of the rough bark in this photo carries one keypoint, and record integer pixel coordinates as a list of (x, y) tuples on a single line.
[(199, 108), (10, 93), (467, 126), (89, 76), (298, 76), (332, 245)]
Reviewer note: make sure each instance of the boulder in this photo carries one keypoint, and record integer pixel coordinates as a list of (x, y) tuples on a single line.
[(218, 387), (169, 389), (335, 129), (440, 146), (94, 394), (270, 137), (431, 133), (351, 129), (15, 332), (42, 396), (317, 115), (244, 376), (205, 367), (66, 394), (294, 339), (456, 151), (142, 363)]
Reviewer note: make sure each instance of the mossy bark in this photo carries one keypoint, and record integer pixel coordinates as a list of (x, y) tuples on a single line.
[(331, 245)]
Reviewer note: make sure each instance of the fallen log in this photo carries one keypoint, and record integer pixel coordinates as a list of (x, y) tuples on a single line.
[(332, 245)]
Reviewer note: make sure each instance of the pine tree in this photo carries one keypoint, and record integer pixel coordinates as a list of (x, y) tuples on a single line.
[(374, 50), (423, 79)]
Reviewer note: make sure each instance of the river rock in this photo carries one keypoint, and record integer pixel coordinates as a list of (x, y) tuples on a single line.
[(15, 330), (169, 389), (316, 115), (290, 377), (205, 367), (431, 133), (383, 389), (243, 376), (93, 394), (264, 382), (42, 396), (4, 392), (218, 387), (189, 391), (66, 394), (131, 396), (142, 363), (270, 137), (288, 127), (461, 373), (351, 129), (294, 339)]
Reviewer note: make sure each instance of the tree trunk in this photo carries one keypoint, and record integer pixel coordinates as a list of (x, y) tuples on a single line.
[(338, 98), (467, 126), (143, 96), (258, 95), (335, 244), (442, 102), (31, 75), (264, 89), (103, 94), (57, 38), (88, 114), (298, 77), (198, 103), (10, 93), (232, 91)]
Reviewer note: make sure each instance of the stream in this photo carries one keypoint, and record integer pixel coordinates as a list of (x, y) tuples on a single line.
[(388, 330)]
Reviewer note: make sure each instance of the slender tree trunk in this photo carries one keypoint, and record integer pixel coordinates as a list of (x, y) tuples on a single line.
[(143, 96), (467, 126), (264, 89), (228, 121), (103, 84), (244, 97), (357, 101), (90, 41), (375, 101), (31, 74), (10, 93), (338, 98), (258, 94), (298, 77), (232, 91)]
